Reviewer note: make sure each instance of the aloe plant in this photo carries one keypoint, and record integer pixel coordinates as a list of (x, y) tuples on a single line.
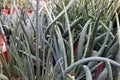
[(42, 43)]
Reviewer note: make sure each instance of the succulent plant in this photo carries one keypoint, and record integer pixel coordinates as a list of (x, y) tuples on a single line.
[(66, 41)]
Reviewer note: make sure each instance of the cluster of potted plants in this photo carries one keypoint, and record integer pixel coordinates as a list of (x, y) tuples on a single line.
[(70, 40), (6, 7)]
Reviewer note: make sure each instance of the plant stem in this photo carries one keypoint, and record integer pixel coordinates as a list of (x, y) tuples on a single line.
[(37, 40)]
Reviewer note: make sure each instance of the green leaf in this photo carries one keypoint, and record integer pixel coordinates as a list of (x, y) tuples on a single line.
[(3, 77), (103, 75), (92, 37), (82, 40), (109, 71), (87, 72)]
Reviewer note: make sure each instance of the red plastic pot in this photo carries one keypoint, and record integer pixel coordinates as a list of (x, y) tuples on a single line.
[(4, 11), (11, 11), (28, 11), (3, 52), (7, 11)]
